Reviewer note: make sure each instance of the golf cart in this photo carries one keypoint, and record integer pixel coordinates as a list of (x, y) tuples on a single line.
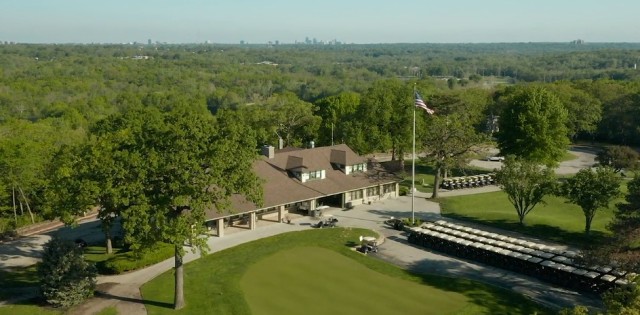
[(368, 244)]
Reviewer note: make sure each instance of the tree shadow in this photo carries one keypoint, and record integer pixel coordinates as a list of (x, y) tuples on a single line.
[(462, 276), (134, 300)]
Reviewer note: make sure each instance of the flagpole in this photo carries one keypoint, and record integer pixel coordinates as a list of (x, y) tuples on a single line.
[(413, 165)]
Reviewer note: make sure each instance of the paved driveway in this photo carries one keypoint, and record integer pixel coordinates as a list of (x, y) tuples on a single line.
[(585, 158)]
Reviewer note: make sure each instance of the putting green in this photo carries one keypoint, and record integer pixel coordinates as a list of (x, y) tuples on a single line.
[(314, 280)]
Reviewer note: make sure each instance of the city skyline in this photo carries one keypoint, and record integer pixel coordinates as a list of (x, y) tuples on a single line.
[(287, 21)]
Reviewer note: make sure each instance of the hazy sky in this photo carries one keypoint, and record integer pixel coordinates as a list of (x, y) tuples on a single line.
[(350, 21)]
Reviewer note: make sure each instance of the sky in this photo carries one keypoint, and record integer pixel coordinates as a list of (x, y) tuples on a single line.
[(347, 21)]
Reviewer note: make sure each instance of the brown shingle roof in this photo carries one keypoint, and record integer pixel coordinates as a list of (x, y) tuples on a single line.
[(281, 188)]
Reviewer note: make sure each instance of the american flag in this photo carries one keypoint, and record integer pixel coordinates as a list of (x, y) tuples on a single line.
[(420, 103)]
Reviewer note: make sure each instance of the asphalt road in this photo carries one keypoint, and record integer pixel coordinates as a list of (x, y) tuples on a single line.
[(584, 158)]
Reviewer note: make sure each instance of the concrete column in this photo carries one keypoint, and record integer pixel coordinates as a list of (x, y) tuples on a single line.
[(343, 196), (253, 221), (220, 227), (281, 213), (397, 190), (380, 191), (365, 198)]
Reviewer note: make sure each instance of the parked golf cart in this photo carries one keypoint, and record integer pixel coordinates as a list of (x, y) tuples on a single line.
[(368, 244)]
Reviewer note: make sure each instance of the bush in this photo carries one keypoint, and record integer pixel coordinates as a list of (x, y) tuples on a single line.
[(133, 261), (66, 279), (404, 191)]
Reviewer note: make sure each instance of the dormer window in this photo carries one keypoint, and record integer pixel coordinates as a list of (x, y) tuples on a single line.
[(315, 175), (362, 167)]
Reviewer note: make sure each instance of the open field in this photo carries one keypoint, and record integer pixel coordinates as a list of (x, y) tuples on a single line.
[(316, 272), (556, 221)]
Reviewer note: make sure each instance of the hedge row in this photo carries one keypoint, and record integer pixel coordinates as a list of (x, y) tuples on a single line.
[(133, 261)]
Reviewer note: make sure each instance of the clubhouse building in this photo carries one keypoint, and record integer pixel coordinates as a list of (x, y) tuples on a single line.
[(307, 181)]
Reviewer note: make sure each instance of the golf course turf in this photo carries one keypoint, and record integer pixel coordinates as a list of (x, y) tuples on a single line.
[(317, 272)]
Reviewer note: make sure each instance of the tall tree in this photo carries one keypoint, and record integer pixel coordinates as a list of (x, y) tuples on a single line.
[(525, 183), (625, 228), (336, 111), (448, 142), (592, 190), (385, 119), (618, 158), (178, 164), (584, 111), (533, 126)]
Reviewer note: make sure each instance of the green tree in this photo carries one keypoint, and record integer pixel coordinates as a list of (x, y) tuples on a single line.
[(592, 190), (448, 142), (66, 279), (533, 126), (336, 111), (618, 158), (384, 120), (584, 111), (525, 183), (622, 300), (25, 150), (179, 165), (625, 228)]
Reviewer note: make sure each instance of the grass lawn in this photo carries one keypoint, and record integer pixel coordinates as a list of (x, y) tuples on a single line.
[(556, 221), (27, 310), (316, 272), (425, 177), (109, 311)]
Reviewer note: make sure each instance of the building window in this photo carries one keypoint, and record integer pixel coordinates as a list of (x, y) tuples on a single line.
[(359, 167), (388, 188), (373, 191), (356, 194), (315, 175)]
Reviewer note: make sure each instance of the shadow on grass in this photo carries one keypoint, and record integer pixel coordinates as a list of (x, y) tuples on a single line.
[(134, 300), (502, 289), (542, 231)]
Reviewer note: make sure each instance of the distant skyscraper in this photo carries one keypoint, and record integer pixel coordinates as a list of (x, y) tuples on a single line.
[(149, 41)]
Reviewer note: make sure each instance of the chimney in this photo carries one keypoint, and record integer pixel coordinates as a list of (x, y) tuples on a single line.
[(268, 151), (312, 144), (280, 143)]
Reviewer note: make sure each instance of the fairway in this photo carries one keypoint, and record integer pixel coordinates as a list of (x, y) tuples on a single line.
[(321, 281), (317, 272)]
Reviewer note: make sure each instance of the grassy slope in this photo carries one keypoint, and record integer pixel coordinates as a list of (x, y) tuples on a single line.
[(557, 220), (214, 283)]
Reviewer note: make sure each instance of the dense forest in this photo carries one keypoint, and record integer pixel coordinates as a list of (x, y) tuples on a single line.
[(51, 96)]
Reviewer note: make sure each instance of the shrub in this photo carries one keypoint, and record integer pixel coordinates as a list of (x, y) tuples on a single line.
[(404, 191), (133, 261), (66, 279)]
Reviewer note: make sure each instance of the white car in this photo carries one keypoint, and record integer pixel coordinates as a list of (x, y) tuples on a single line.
[(495, 158)]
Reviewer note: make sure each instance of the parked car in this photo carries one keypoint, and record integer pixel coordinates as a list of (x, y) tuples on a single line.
[(495, 158)]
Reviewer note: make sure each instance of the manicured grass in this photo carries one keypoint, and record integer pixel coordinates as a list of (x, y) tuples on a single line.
[(424, 175), (19, 277), (556, 221), (27, 310), (568, 156), (316, 272), (109, 311), (122, 260)]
